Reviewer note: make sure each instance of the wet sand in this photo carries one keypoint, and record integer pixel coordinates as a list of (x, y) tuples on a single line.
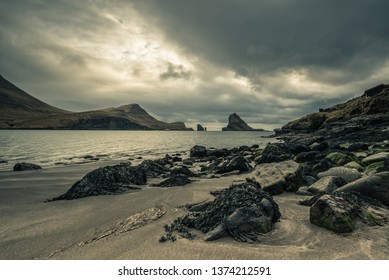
[(32, 229)]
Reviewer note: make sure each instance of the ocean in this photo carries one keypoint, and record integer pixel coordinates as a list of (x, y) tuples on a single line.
[(55, 148)]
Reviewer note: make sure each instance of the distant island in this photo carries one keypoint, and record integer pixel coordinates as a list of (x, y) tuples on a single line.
[(20, 110), (235, 123)]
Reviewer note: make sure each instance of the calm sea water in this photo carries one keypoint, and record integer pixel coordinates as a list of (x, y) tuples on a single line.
[(55, 148)]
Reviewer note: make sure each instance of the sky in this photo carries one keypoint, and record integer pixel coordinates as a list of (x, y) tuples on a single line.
[(270, 61)]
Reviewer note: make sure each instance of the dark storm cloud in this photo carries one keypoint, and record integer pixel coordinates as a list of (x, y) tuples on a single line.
[(340, 44), (268, 60), (261, 36)]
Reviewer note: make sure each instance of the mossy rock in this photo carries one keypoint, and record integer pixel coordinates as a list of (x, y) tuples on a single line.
[(382, 156), (354, 165), (374, 167), (338, 158), (332, 213)]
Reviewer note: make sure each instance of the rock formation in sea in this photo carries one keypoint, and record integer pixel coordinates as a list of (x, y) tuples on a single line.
[(19, 110), (200, 128), (235, 123)]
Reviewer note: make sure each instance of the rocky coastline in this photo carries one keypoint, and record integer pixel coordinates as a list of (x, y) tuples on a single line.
[(338, 171), (344, 185)]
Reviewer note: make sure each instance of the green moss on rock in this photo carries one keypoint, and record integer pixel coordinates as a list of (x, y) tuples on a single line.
[(354, 165), (373, 167), (338, 158)]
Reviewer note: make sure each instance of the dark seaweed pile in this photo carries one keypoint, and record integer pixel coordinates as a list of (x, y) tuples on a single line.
[(207, 216)]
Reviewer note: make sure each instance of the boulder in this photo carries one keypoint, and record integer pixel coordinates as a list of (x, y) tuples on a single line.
[(355, 147), (376, 167), (375, 186), (277, 177), (240, 211), (326, 185), (320, 147), (306, 156), (341, 212), (26, 166), (354, 165), (322, 165), (106, 180), (218, 152), (333, 213), (236, 163), (276, 152), (339, 158), (176, 170), (154, 168), (174, 180), (382, 156), (198, 151), (345, 173)]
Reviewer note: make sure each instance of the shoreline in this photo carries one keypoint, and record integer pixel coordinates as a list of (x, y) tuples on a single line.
[(32, 229)]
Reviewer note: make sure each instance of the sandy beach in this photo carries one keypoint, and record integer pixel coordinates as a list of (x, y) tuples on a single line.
[(33, 229)]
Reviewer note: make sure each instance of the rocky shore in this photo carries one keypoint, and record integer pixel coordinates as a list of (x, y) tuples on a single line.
[(321, 188), (343, 185)]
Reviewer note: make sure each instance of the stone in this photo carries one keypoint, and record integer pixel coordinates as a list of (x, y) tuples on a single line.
[(277, 152), (341, 212), (106, 180), (174, 180), (90, 157), (382, 156), (320, 147), (182, 170), (218, 152), (277, 177), (26, 166), (355, 147), (240, 211), (188, 161), (326, 185), (375, 167), (322, 165), (244, 148), (339, 158), (236, 163), (332, 213), (345, 173), (375, 186), (198, 151), (176, 159), (354, 165), (306, 156), (154, 168)]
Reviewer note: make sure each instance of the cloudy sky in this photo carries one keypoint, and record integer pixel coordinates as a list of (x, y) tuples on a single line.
[(270, 61)]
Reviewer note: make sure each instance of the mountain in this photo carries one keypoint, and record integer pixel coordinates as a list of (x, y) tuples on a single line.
[(235, 123), (16, 104), (19, 110), (362, 117)]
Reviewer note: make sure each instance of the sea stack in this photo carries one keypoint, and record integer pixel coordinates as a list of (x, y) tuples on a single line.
[(201, 128), (235, 123)]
